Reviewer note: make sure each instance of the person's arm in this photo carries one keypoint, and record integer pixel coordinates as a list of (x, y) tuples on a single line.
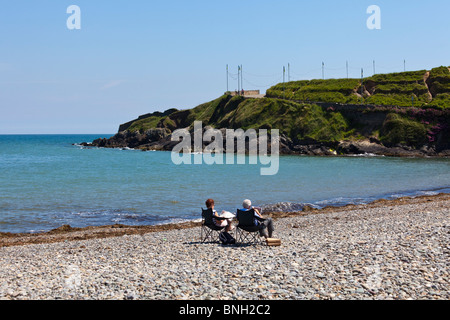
[(257, 212), (258, 215), (217, 216)]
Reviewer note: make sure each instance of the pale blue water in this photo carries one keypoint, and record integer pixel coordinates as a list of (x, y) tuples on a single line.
[(46, 182)]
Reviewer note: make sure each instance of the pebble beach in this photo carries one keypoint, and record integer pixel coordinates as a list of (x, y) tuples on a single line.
[(385, 250)]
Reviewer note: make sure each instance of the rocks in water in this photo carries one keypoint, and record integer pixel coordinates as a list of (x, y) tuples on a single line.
[(156, 138), (314, 150), (159, 139), (283, 207), (362, 147)]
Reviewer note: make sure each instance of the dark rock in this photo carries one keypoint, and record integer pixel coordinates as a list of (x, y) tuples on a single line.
[(160, 139)]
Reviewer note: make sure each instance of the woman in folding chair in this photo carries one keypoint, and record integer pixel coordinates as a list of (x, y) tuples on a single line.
[(227, 223)]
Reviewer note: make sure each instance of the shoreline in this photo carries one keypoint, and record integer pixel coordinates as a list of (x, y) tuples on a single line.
[(67, 233), (387, 250), (347, 148)]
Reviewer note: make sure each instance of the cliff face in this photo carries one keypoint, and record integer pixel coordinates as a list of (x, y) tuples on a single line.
[(319, 128)]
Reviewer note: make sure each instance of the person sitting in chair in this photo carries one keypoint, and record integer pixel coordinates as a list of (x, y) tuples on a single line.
[(267, 228), (227, 223)]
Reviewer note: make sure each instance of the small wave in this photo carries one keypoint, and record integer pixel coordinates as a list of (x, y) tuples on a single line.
[(418, 193), (428, 193), (177, 220), (294, 207), (365, 155), (343, 201), (283, 207), (127, 149)]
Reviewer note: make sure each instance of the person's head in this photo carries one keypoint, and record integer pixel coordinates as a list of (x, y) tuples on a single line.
[(209, 203), (247, 204)]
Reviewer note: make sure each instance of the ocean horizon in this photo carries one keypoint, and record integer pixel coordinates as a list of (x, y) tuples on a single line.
[(50, 180)]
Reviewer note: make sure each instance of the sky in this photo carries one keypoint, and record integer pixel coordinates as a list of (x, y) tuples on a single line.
[(132, 57)]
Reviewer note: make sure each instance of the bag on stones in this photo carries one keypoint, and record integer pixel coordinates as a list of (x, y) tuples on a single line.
[(226, 238)]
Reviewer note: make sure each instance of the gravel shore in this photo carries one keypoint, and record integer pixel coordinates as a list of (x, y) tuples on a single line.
[(386, 250)]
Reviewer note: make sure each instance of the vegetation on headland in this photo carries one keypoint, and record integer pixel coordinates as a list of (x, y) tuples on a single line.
[(328, 112), (406, 89), (297, 120)]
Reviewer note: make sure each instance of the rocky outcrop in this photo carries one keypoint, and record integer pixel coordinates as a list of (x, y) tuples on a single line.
[(160, 140), (369, 147), (134, 140)]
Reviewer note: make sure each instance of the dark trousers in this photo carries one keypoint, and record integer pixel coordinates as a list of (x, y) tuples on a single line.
[(267, 228)]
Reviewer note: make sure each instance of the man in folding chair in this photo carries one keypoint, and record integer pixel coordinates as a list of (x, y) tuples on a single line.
[(266, 224)]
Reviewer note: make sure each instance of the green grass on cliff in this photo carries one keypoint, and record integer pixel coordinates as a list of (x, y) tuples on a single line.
[(403, 89), (332, 90), (145, 124), (439, 85), (296, 120), (400, 130)]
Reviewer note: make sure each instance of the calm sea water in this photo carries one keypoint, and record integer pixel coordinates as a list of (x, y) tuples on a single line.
[(46, 182)]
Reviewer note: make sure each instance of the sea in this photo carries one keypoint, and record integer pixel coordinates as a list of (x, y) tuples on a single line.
[(47, 181)]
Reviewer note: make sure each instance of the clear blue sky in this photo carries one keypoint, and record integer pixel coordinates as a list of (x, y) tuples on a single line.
[(134, 57)]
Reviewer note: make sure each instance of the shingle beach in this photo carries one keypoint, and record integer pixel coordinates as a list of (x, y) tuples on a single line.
[(386, 250)]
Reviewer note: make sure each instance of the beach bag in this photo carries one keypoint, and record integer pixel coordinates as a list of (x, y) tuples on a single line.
[(226, 238)]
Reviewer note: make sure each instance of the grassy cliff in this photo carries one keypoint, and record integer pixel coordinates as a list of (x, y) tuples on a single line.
[(331, 111), (296, 120), (416, 88)]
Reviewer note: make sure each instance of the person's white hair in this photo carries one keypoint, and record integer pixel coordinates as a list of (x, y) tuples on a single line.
[(247, 204)]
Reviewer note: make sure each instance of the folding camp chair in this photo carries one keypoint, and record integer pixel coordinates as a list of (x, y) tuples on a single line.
[(247, 231), (209, 230)]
